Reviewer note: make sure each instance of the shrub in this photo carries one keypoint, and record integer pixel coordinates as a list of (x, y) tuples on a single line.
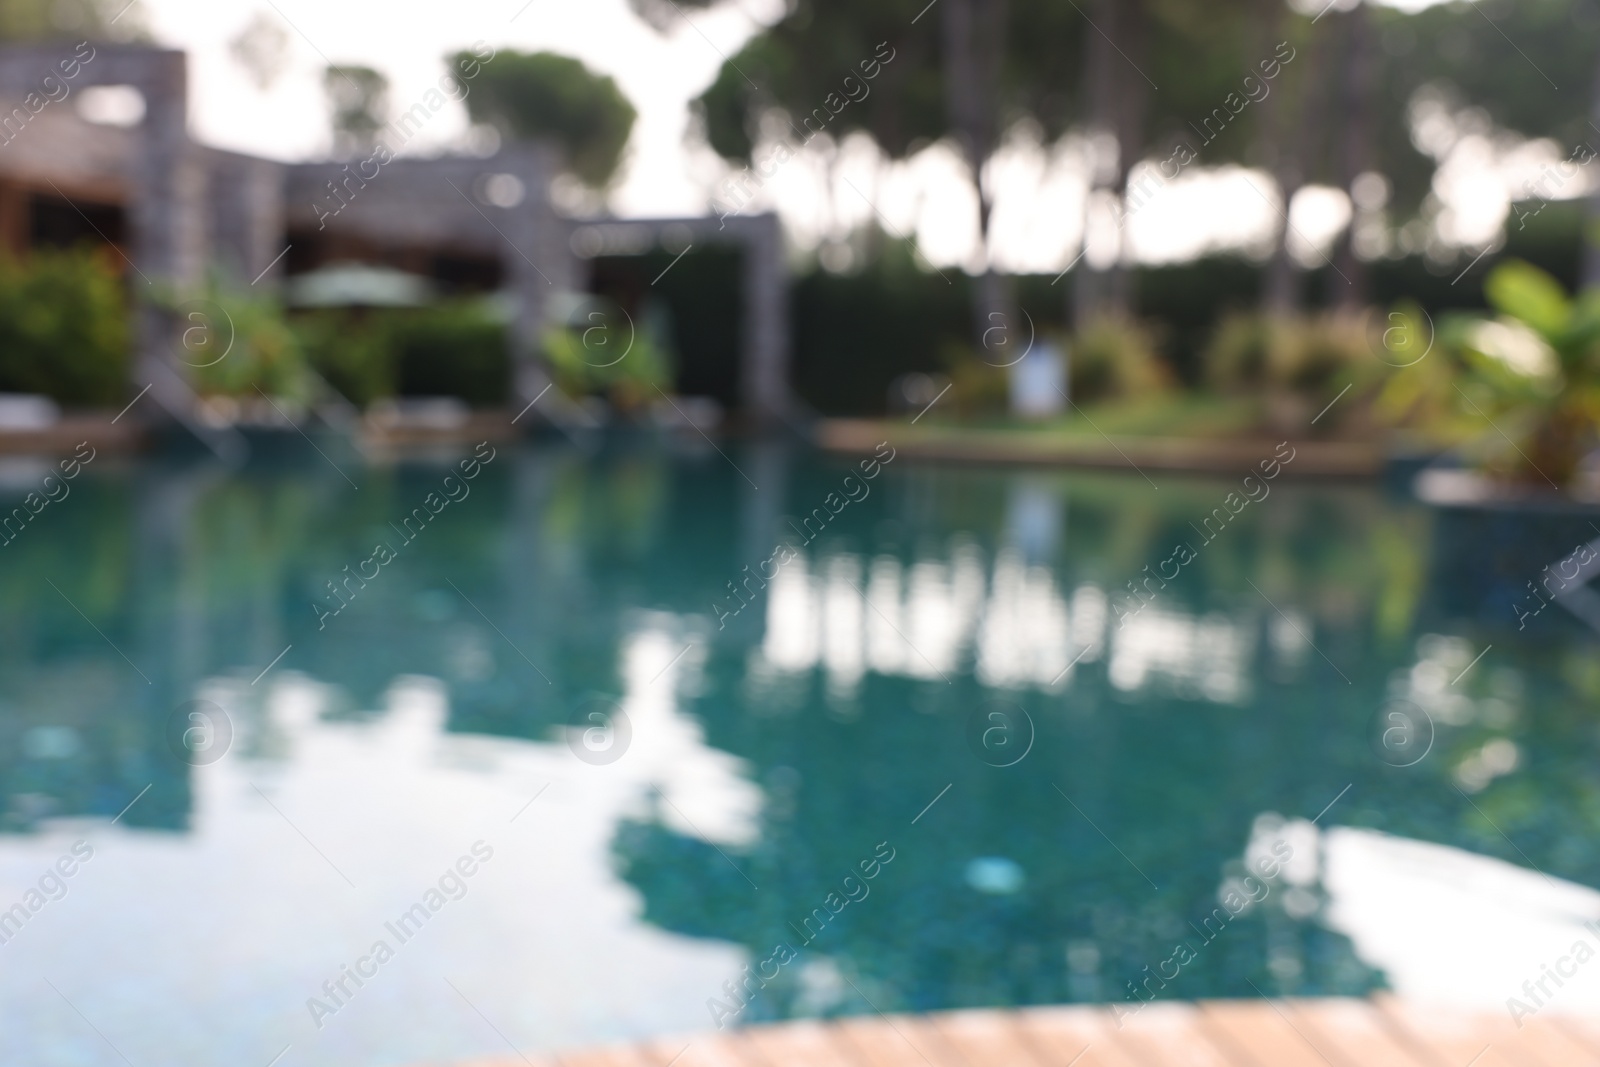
[(350, 349), (1238, 355), (1115, 357), (1249, 353), (1296, 365), (1108, 359), (64, 328), (977, 387), (237, 343), (1312, 356)]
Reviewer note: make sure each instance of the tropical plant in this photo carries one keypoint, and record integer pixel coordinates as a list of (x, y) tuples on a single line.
[(1531, 373), (237, 344), (1418, 396), (587, 362)]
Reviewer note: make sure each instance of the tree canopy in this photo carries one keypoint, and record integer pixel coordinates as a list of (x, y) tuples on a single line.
[(661, 14), (1529, 66), (359, 99), (542, 95), (790, 69), (33, 20)]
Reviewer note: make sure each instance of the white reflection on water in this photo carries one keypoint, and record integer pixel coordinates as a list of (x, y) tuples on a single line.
[(1011, 624), (1445, 927), (1025, 633), (202, 948), (1205, 657)]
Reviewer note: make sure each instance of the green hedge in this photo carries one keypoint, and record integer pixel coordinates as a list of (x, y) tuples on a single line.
[(854, 334), (455, 349)]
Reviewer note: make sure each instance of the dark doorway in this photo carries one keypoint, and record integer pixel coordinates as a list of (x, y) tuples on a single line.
[(57, 223), (703, 296)]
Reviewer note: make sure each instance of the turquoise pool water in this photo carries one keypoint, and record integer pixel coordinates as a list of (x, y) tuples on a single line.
[(631, 741)]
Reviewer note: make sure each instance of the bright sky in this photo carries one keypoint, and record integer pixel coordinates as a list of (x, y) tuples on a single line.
[(406, 38), (1040, 214)]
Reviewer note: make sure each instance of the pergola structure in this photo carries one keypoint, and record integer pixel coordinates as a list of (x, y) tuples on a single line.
[(190, 210), (764, 355)]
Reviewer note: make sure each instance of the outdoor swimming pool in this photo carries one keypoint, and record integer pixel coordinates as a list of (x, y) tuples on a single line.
[(584, 743)]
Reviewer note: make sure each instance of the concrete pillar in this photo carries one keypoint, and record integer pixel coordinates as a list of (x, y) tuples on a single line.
[(167, 223), (265, 219), (540, 264), (245, 218), (764, 367), (168, 180), (165, 234)]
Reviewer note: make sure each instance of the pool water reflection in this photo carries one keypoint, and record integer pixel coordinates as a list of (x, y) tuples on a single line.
[(680, 816)]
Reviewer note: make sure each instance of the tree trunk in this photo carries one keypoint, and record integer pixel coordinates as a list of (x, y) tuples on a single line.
[(1133, 95), (1591, 230), (1286, 126), (873, 237), (1356, 154), (1088, 284), (830, 198), (974, 48), (1117, 94)]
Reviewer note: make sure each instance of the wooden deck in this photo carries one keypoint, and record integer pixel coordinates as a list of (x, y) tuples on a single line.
[(1245, 1033)]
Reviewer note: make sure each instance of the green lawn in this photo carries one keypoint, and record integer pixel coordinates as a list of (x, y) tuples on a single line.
[(1170, 415)]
